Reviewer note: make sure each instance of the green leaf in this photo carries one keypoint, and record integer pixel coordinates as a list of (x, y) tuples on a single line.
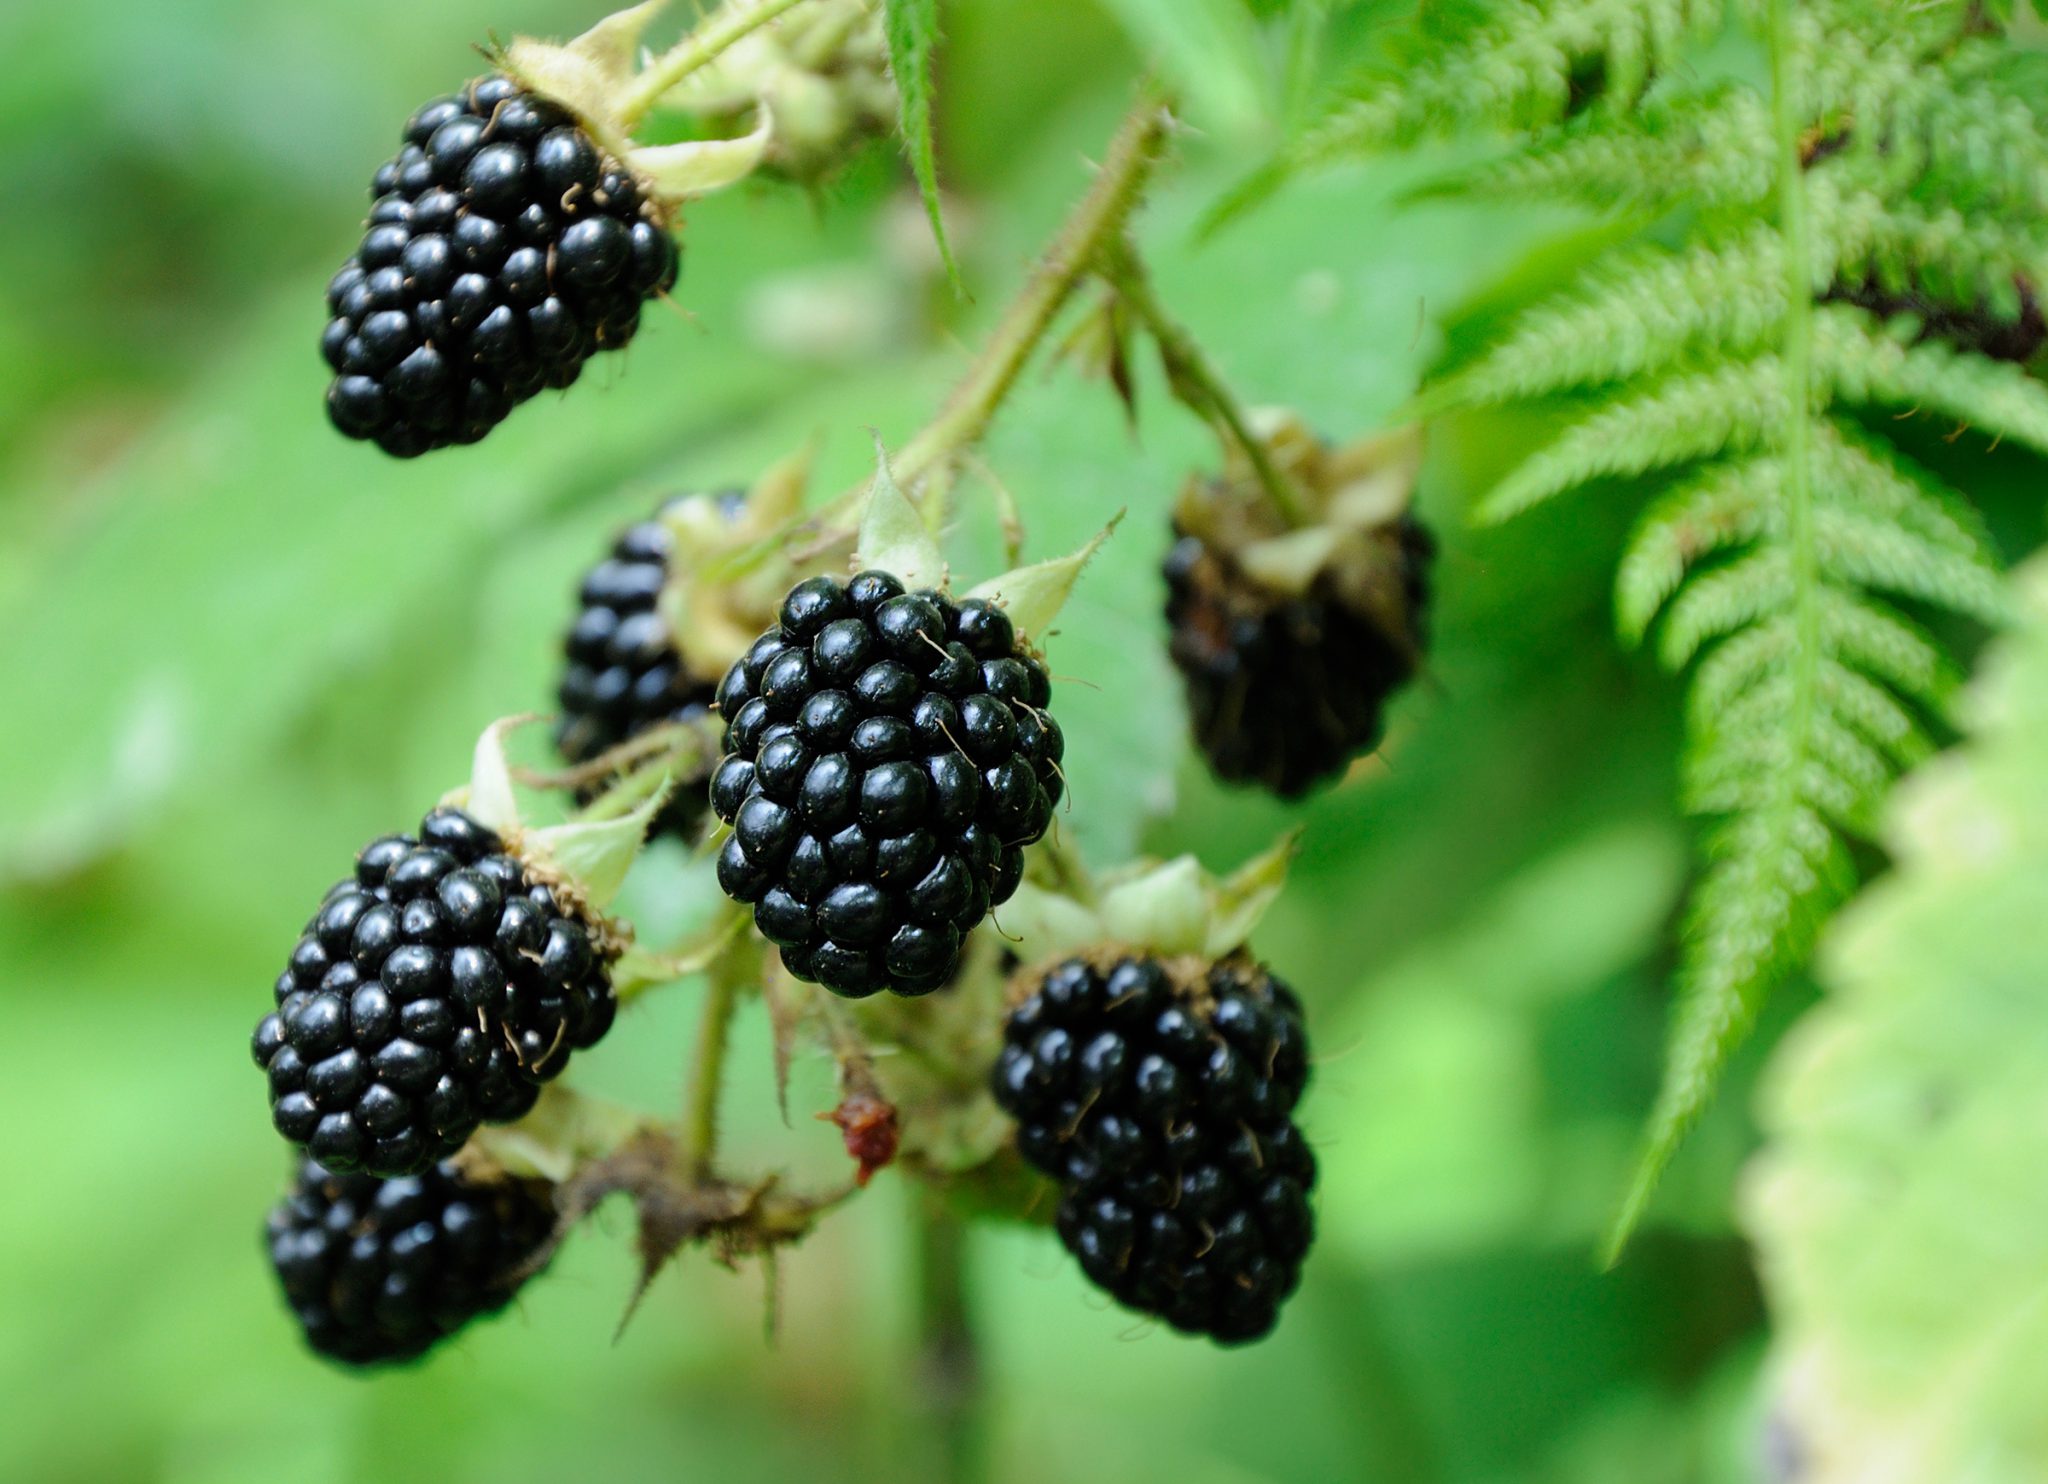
[(913, 30), (1033, 596), (1897, 1205)]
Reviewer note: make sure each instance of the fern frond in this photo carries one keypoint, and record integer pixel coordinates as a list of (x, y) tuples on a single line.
[(1728, 504), (1877, 640), (1710, 149), (1642, 312), (1869, 233), (1859, 362), (1773, 878), (1688, 415), (1515, 71)]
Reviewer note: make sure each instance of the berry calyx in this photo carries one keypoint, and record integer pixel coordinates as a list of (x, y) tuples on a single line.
[(377, 1271), (435, 989), (889, 755), (1159, 1092)]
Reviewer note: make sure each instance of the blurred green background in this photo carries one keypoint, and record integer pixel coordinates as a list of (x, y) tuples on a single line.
[(234, 646)]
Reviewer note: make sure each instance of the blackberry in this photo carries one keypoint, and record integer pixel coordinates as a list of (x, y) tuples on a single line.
[(1285, 690), (1159, 1093), (435, 989), (381, 1270), (889, 756), (623, 673), (503, 249)]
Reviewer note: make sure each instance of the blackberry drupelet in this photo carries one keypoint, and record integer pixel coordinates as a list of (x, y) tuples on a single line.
[(1282, 690), (382, 1270), (889, 756), (504, 248), (1159, 1093), (435, 989), (623, 673)]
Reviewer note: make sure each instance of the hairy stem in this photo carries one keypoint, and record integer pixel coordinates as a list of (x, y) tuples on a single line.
[(949, 1360), (705, 44), (1097, 220), (699, 1146), (1194, 377)]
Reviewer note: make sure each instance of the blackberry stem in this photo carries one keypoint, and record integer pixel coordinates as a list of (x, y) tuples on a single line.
[(699, 1145), (1194, 378), (949, 1358), (1097, 220), (700, 47)]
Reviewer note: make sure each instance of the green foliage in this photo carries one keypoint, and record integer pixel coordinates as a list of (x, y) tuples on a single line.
[(1889, 160), (912, 27), (1898, 1206)]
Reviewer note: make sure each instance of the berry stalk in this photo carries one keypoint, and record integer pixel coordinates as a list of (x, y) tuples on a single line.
[(1098, 219), (701, 47), (949, 1355), (699, 1146), (1194, 377)]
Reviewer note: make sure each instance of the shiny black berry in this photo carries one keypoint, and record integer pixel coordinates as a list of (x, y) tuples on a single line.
[(1160, 1094), (433, 990), (623, 672), (381, 1270), (888, 758), (1284, 691), (503, 249)]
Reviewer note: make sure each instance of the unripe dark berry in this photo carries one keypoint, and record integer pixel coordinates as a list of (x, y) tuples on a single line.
[(502, 251), (435, 989), (622, 671), (1284, 691), (382, 1270), (877, 817), (1160, 1094)]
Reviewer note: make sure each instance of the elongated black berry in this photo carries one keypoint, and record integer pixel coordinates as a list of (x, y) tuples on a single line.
[(1160, 1094), (435, 989), (503, 249), (1284, 691), (888, 757), (623, 672), (381, 1270)]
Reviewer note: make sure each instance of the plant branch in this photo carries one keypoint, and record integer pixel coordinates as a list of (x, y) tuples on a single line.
[(699, 1145), (1096, 220), (703, 45), (949, 1359), (1194, 377)]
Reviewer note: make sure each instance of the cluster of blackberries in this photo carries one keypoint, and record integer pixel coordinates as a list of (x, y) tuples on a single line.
[(1284, 691), (504, 248), (435, 989), (623, 673), (379, 1270), (889, 755), (1160, 1094)]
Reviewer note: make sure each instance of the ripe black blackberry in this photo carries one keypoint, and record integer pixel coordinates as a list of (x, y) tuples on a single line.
[(436, 989), (889, 756), (623, 672), (381, 1270), (504, 248), (1159, 1092), (1285, 689)]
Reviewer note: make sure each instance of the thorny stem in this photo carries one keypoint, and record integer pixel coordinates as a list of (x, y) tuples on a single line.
[(1194, 377), (717, 35), (1096, 220), (699, 1145), (949, 1359)]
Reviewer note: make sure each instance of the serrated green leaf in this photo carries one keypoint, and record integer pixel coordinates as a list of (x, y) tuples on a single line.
[(1896, 1205), (912, 27)]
